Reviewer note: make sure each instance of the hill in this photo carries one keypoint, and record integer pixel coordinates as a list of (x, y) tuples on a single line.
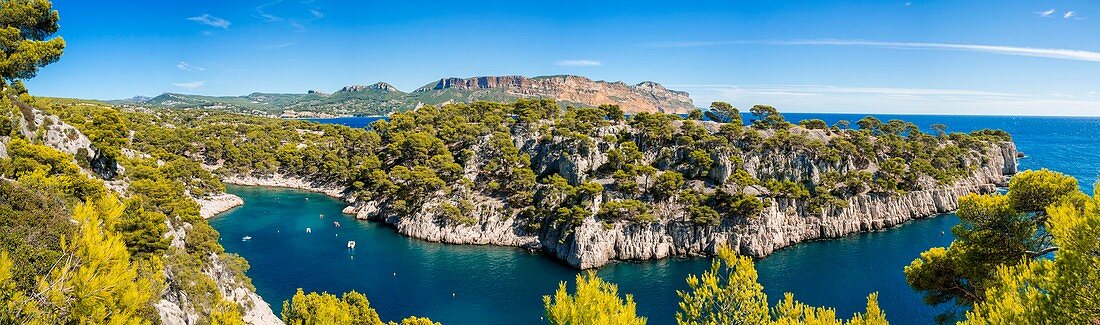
[(383, 98)]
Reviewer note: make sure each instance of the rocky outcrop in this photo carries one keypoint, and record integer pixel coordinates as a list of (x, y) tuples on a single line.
[(647, 96), (287, 181), (177, 308), (51, 131), (382, 98), (377, 86), (214, 204), (784, 222)]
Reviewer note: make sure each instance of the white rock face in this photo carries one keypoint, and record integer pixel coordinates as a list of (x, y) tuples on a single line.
[(52, 132), (280, 180), (595, 243), (4, 147), (256, 310), (173, 308), (783, 223), (215, 204)]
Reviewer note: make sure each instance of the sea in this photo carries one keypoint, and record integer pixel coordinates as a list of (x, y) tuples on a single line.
[(462, 284)]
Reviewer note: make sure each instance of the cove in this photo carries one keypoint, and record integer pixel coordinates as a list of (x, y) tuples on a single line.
[(458, 284), (503, 285)]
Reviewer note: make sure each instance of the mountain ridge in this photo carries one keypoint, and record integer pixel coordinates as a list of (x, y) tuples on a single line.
[(383, 98)]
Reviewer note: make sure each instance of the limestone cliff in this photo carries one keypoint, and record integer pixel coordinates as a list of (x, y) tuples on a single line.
[(783, 222), (382, 98), (173, 306), (643, 97)]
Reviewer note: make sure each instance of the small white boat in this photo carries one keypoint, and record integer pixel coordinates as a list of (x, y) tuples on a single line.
[(336, 223), (309, 230), (351, 244), (322, 216), (246, 238)]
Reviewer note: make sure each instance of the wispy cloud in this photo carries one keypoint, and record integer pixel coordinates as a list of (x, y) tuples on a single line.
[(190, 85), (297, 27), (280, 45), (1061, 54), (188, 67), (846, 99), (1045, 13), (264, 15), (1069, 14), (317, 13), (578, 63), (207, 19)]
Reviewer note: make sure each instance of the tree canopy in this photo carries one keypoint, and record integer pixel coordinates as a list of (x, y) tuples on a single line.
[(594, 302), (25, 26), (729, 293), (1000, 239)]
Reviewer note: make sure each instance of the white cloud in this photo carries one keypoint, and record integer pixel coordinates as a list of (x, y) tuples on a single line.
[(1062, 54), (844, 99), (188, 67), (1069, 14), (207, 19), (317, 13), (579, 63), (1045, 13), (190, 85), (263, 15), (908, 3)]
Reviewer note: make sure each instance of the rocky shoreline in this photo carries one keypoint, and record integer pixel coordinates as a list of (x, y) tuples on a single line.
[(593, 243), (286, 181), (215, 204)]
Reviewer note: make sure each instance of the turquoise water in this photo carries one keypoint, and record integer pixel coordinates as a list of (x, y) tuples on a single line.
[(499, 285)]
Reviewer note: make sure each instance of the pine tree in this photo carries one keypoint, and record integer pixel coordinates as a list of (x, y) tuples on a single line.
[(729, 293), (594, 302), (25, 26)]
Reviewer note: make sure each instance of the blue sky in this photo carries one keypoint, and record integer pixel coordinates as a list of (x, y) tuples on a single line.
[(931, 57)]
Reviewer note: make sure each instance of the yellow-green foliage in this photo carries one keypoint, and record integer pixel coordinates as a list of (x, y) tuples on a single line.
[(325, 308), (413, 320), (593, 302), (93, 283), (24, 28), (729, 293), (48, 170), (226, 313), (1034, 190), (1062, 290), (999, 260)]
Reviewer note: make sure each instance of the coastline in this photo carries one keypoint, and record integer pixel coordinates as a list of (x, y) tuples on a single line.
[(593, 244), (284, 181), (216, 204)]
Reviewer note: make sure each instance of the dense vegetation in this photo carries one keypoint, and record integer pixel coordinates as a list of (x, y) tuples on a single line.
[(81, 246), (382, 98), (728, 293), (445, 160), (1029, 256)]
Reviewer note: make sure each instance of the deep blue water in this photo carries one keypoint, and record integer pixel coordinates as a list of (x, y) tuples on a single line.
[(498, 285)]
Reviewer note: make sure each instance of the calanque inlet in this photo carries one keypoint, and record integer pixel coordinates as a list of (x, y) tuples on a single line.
[(592, 242), (246, 193), (586, 185)]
